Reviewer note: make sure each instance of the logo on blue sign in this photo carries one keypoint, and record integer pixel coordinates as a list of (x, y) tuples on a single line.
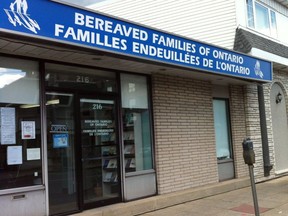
[(257, 70), (18, 15)]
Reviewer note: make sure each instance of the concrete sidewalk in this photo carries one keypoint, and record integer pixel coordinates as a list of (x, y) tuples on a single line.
[(272, 198), (230, 201)]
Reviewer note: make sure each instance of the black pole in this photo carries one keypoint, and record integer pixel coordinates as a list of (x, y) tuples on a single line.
[(264, 136), (254, 193)]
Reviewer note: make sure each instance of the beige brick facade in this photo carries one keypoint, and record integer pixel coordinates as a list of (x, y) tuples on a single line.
[(238, 128), (253, 126), (185, 151)]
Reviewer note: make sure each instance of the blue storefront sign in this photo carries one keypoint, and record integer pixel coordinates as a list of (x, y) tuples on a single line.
[(59, 22)]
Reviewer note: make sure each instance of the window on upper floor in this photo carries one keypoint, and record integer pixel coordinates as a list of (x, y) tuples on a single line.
[(261, 18)]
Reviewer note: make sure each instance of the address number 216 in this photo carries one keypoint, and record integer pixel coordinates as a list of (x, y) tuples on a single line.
[(97, 107)]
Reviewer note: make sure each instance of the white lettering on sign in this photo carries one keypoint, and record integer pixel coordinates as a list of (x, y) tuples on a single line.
[(233, 68), (165, 53), (110, 27), (173, 43), (90, 37), (227, 57), (99, 31)]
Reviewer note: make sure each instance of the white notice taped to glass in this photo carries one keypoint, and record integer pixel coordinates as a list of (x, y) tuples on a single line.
[(33, 154), (28, 129), (7, 123), (14, 155)]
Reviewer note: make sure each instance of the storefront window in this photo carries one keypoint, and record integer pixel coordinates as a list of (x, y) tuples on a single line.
[(222, 129), (20, 127), (136, 123)]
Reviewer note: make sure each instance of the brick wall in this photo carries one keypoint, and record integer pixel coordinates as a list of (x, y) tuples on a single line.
[(267, 89), (238, 127), (253, 126), (184, 133)]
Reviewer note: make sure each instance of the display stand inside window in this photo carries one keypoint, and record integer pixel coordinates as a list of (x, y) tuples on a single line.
[(129, 141), (104, 167), (110, 170), (134, 152)]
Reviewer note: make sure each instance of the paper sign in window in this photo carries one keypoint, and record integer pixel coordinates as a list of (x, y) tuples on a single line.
[(14, 155), (33, 154), (7, 123), (28, 129)]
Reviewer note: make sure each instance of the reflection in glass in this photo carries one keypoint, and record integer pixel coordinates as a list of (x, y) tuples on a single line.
[(250, 13), (19, 81), (262, 18), (273, 24), (8, 76)]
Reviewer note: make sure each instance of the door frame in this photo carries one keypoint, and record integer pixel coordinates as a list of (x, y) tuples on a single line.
[(78, 156), (77, 95)]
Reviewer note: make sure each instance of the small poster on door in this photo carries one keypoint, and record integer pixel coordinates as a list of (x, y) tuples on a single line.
[(60, 140), (28, 130)]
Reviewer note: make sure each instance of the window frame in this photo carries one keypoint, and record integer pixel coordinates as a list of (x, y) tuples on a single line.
[(272, 33), (150, 110), (40, 186), (229, 129)]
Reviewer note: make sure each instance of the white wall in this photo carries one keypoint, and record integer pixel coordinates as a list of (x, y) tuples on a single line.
[(209, 21)]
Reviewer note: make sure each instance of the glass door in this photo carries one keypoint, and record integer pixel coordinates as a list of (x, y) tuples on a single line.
[(63, 194), (100, 151)]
